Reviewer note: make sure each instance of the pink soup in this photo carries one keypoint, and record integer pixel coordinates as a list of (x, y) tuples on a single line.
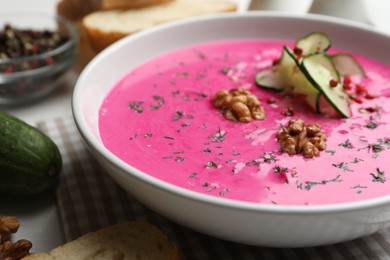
[(159, 118)]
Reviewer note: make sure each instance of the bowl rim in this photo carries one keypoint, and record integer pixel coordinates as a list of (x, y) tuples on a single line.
[(70, 43), (99, 148)]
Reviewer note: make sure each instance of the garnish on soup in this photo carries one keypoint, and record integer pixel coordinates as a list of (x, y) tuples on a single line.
[(309, 70), (239, 104), (299, 138)]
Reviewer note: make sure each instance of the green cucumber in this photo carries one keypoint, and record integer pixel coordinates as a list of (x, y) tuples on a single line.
[(310, 71), (270, 79), (298, 84), (287, 76), (320, 76), (346, 64), (30, 161), (315, 42)]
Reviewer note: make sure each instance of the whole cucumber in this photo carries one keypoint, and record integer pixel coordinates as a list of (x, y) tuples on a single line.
[(30, 161)]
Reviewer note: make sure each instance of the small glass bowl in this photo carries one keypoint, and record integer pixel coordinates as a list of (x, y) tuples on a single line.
[(27, 78)]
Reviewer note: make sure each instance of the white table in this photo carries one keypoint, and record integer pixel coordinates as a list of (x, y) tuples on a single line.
[(39, 218)]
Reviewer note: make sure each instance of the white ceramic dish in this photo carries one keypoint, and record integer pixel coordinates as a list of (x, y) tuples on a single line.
[(378, 13), (248, 223)]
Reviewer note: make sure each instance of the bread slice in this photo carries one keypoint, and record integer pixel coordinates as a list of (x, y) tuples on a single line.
[(106, 27), (77, 9), (129, 240)]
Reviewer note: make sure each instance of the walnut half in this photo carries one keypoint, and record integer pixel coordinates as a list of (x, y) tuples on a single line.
[(8, 225), (239, 104), (15, 251), (299, 138)]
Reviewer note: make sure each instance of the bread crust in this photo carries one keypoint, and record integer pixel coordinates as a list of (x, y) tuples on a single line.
[(128, 240), (77, 9), (101, 38)]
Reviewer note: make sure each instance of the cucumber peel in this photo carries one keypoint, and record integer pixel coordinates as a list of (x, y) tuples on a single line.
[(315, 42), (346, 64), (298, 83), (320, 76)]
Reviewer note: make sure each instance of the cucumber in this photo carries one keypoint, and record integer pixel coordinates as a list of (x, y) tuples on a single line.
[(346, 64), (320, 76), (30, 162), (270, 79), (310, 72), (287, 76), (315, 42), (297, 82)]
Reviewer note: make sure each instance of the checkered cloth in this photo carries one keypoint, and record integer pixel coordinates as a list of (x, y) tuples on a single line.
[(88, 200)]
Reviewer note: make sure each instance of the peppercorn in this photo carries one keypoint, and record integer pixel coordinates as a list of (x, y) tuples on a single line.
[(16, 43)]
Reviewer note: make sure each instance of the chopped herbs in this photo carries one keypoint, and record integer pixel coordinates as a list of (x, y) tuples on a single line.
[(160, 101), (193, 175), (211, 164), (378, 176), (278, 169), (218, 137), (357, 160), (224, 192), (225, 70), (178, 115), (252, 163), (310, 184), (359, 187), (371, 125), (377, 148), (207, 150), (137, 106), (343, 166), (268, 157), (332, 152), (346, 144)]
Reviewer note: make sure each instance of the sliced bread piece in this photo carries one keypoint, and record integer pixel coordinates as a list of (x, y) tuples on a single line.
[(106, 27), (77, 9), (129, 240)]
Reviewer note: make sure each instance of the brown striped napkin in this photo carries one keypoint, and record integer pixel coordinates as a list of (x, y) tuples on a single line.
[(88, 200)]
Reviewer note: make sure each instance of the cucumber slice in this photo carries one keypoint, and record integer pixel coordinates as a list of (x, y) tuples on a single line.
[(320, 76), (327, 62), (315, 42), (346, 64), (298, 83), (270, 79)]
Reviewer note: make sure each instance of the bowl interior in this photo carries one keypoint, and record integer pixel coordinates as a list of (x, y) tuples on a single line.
[(109, 66)]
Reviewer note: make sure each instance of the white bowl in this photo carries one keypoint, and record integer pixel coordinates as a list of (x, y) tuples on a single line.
[(243, 222)]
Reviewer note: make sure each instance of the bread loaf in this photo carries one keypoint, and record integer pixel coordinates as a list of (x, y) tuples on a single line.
[(105, 27), (77, 9), (129, 240)]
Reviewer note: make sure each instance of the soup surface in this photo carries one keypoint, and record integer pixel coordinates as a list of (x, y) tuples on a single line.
[(160, 119)]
